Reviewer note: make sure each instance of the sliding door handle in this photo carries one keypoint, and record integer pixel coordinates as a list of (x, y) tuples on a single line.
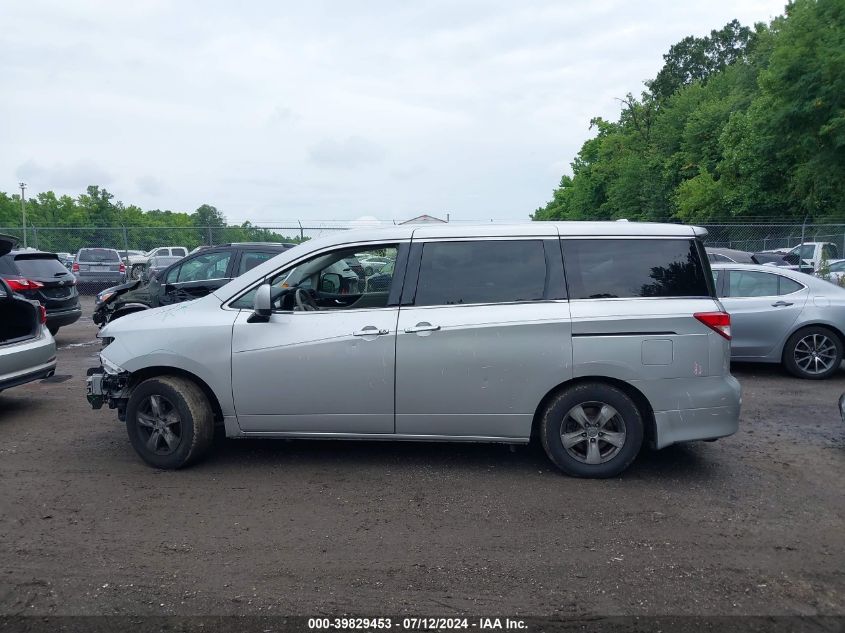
[(423, 326)]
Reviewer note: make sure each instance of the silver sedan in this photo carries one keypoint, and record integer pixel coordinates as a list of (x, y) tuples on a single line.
[(783, 316)]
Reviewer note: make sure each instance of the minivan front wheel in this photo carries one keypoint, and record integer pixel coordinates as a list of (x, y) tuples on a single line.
[(170, 422), (592, 430)]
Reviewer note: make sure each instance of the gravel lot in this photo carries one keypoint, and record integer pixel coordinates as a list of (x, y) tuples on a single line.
[(752, 524)]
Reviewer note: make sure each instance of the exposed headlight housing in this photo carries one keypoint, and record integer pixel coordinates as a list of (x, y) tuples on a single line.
[(105, 296), (110, 367)]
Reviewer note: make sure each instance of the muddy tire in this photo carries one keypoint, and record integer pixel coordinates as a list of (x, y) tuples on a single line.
[(169, 421), (592, 430)]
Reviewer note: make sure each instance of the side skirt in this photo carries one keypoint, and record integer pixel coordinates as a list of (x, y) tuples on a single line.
[(233, 431)]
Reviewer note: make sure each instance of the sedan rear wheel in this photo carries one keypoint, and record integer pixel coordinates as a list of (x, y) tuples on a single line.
[(813, 353)]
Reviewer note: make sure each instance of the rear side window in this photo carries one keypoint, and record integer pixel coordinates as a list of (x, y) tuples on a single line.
[(251, 259), (749, 283), (98, 255), (829, 251), (40, 267), (454, 273), (178, 252), (624, 268), (788, 286)]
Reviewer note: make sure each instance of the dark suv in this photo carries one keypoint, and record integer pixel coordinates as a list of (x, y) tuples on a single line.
[(42, 277), (190, 278)]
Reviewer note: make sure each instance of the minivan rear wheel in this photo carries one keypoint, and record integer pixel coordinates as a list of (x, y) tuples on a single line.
[(170, 422), (813, 353), (592, 430)]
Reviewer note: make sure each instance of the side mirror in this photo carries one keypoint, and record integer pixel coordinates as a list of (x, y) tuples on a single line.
[(330, 282), (262, 307)]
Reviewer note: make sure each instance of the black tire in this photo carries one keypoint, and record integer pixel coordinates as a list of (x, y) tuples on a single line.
[(137, 271), (195, 422), (626, 426), (54, 329), (798, 358)]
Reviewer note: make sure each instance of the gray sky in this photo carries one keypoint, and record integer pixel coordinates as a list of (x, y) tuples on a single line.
[(325, 110)]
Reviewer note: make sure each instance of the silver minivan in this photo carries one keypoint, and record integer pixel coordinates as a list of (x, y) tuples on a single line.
[(591, 337)]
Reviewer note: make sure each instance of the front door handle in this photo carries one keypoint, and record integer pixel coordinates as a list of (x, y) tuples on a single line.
[(781, 304), (423, 326), (370, 330)]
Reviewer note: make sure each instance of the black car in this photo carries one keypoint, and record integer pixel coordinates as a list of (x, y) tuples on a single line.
[(190, 278), (42, 277)]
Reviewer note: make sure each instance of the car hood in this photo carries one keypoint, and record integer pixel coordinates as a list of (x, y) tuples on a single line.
[(7, 243), (121, 288), (130, 322)]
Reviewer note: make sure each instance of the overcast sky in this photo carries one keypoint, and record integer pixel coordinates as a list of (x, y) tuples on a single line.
[(325, 110)]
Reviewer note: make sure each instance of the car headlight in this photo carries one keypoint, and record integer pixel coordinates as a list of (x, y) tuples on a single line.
[(105, 296)]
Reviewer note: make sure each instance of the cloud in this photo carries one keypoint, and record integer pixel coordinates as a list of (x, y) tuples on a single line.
[(284, 111), (75, 175), (150, 185), (350, 152)]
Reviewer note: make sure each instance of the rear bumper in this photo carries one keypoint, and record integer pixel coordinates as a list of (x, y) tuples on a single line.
[(105, 278), (705, 423), (60, 318), (27, 361), (13, 380)]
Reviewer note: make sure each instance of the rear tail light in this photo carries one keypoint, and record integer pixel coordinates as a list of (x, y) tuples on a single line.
[(122, 267), (43, 312), (719, 322), (74, 268), (19, 283)]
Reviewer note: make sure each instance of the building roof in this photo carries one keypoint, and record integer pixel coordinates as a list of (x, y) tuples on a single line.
[(423, 219)]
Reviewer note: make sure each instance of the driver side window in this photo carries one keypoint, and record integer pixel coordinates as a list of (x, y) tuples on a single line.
[(205, 266), (172, 275), (337, 280)]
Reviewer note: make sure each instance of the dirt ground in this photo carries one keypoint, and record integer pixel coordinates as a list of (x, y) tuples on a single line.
[(752, 524)]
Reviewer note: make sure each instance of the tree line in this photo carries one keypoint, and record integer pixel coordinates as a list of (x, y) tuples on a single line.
[(744, 124), (95, 218)]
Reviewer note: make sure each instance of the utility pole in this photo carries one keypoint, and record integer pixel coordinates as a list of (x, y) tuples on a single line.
[(23, 210)]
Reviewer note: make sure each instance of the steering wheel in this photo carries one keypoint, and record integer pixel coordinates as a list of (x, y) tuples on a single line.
[(304, 301)]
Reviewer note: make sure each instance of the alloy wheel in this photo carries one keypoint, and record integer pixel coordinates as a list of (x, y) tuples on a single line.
[(159, 424), (815, 354), (593, 432)]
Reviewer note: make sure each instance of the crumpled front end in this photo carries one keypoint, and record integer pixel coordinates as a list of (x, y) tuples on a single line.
[(108, 384)]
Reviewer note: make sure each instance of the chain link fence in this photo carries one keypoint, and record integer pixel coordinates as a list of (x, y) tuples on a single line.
[(746, 237)]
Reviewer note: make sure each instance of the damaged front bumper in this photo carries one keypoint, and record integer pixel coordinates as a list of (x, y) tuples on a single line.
[(105, 387)]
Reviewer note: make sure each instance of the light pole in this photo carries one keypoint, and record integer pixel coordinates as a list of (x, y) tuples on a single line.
[(23, 210)]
